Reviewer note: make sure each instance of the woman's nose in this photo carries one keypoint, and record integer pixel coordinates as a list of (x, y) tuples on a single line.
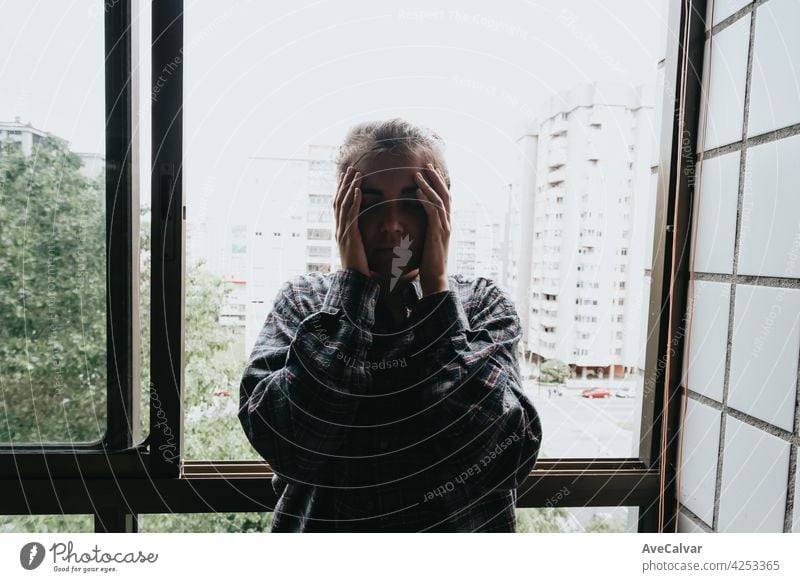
[(392, 215)]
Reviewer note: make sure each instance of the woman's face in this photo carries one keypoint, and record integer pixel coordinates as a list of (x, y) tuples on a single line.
[(392, 220)]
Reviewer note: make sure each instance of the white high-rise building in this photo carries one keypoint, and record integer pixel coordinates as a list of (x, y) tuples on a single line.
[(288, 230), (585, 233)]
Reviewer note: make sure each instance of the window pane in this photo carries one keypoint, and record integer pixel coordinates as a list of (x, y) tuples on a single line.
[(250, 522), (551, 139), (52, 223), (577, 519), (47, 524)]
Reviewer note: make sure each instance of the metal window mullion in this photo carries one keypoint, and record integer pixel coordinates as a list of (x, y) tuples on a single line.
[(123, 347), (671, 251), (167, 241)]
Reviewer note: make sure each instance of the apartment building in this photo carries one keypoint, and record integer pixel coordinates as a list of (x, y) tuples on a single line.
[(584, 247)]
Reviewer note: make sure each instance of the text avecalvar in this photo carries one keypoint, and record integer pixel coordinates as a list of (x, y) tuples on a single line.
[(671, 549)]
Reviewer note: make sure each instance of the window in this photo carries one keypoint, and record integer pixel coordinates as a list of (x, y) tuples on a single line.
[(320, 200), (256, 242), (53, 376), (324, 215), (318, 267), (319, 251)]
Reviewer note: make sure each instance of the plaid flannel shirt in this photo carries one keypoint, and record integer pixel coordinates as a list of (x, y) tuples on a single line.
[(370, 425)]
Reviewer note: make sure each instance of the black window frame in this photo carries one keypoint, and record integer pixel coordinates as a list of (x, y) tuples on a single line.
[(119, 477)]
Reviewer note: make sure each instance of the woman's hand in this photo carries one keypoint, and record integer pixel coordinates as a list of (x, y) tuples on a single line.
[(346, 206), (435, 198)]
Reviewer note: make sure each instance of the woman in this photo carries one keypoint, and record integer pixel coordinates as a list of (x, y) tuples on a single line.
[(386, 396)]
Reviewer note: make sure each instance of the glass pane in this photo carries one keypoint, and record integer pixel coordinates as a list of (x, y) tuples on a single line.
[(252, 522), (577, 519), (52, 223), (141, 31), (551, 140), (47, 524)]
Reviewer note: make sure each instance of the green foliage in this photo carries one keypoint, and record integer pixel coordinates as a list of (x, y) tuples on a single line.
[(211, 368), (541, 519), (206, 522), (606, 524), (557, 519), (47, 523), (554, 371), (52, 296)]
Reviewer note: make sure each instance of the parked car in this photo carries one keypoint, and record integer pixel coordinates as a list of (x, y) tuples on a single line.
[(596, 393), (624, 393)]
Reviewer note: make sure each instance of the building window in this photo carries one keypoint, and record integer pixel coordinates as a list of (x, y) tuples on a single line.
[(319, 251), (318, 234)]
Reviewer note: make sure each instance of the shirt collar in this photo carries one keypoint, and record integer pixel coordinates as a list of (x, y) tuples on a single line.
[(412, 292)]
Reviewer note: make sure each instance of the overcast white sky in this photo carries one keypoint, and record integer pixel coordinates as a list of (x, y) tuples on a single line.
[(268, 78)]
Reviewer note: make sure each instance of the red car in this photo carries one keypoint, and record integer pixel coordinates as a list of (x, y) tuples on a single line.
[(596, 393)]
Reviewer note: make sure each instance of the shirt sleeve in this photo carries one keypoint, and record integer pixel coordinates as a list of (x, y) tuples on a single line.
[(489, 431), (300, 389)]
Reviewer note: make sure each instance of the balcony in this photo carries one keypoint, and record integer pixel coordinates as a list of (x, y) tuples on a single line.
[(557, 157), (556, 177), (559, 128)]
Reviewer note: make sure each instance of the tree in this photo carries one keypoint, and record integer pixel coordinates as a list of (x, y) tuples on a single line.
[(53, 337), (605, 524), (554, 371), (52, 296), (541, 519), (211, 372)]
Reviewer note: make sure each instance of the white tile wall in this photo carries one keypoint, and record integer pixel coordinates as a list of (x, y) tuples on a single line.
[(770, 238), (766, 341), (766, 334), (722, 9), (708, 341), (727, 82), (755, 471), (699, 459), (775, 85), (716, 213), (686, 525)]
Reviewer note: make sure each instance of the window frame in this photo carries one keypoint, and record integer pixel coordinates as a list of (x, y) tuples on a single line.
[(117, 478)]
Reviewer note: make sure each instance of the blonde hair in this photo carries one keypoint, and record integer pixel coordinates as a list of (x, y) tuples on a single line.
[(396, 136)]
